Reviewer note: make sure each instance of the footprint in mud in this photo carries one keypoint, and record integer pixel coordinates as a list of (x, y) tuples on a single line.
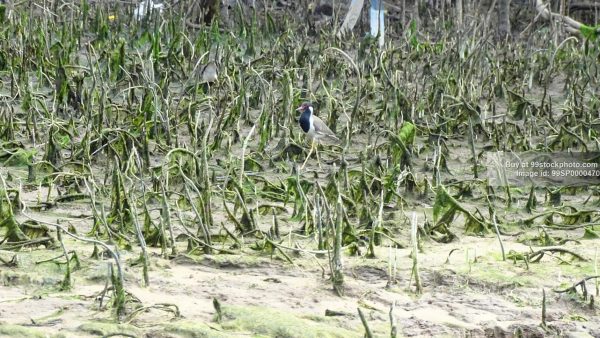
[(369, 274)]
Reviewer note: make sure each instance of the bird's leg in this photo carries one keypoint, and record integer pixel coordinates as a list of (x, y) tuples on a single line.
[(317, 153), (312, 144)]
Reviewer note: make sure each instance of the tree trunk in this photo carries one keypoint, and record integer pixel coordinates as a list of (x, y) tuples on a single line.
[(504, 19), (403, 14), (459, 13), (415, 13), (212, 11)]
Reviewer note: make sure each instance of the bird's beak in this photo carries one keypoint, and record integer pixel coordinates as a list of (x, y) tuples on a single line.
[(299, 108)]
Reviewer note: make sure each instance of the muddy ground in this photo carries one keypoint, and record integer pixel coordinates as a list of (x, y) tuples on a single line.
[(467, 289)]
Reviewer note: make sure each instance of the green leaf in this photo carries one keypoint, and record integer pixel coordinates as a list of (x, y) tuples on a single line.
[(443, 207), (2, 13), (590, 234), (21, 157), (407, 133), (589, 32)]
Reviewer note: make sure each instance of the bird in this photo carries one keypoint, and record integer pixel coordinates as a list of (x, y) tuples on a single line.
[(315, 129), (206, 76), (209, 72)]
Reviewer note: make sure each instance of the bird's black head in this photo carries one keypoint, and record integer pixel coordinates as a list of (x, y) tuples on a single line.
[(304, 107)]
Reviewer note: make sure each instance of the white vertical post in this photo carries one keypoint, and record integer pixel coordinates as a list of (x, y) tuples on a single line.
[(377, 22)]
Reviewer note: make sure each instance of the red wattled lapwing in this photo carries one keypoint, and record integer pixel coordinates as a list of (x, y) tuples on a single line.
[(315, 129)]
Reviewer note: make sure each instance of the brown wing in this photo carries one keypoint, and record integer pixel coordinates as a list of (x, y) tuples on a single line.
[(322, 131)]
